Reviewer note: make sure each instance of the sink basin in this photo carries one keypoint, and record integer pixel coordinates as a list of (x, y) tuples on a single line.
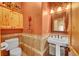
[(62, 42)]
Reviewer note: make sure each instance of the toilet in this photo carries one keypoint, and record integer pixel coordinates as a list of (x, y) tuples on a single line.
[(13, 47)]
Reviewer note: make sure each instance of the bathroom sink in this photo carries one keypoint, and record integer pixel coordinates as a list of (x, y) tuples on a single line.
[(60, 41)]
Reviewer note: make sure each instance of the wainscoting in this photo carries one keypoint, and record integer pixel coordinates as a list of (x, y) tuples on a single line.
[(34, 45)]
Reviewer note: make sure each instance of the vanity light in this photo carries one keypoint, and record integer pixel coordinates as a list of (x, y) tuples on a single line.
[(52, 11), (68, 6), (59, 9)]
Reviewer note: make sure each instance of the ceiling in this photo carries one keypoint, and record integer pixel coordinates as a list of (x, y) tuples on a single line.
[(58, 4)]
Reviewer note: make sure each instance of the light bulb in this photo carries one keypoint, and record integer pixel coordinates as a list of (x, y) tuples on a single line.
[(52, 11), (68, 6), (59, 9)]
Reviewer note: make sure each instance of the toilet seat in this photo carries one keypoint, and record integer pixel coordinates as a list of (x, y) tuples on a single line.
[(15, 52)]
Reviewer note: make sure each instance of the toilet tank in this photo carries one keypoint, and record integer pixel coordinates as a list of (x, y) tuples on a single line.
[(12, 43)]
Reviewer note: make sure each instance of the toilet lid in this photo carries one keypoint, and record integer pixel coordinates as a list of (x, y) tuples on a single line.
[(16, 51)]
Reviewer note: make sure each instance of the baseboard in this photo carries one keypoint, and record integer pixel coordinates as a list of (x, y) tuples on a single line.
[(73, 51), (33, 51)]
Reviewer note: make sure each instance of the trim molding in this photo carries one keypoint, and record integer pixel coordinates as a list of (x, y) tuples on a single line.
[(11, 35), (74, 51), (35, 50)]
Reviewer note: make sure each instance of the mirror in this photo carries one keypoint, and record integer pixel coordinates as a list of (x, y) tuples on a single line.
[(59, 22)]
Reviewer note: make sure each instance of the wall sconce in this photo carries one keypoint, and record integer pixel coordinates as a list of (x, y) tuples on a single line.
[(52, 11), (68, 6), (59, 9), (29, 20)]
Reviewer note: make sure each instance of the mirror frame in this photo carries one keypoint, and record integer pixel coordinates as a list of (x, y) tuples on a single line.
[(56, 16)]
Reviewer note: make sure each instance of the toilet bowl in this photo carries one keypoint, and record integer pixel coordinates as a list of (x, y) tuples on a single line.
[(13, 47), (16, 52)]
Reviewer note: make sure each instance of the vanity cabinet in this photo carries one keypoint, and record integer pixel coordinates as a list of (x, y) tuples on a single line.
[(10, 19)]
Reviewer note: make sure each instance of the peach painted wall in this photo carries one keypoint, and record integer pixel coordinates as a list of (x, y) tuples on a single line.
[(46, 19), (75, 26), (40, 14), (34, 10), (0, 40)]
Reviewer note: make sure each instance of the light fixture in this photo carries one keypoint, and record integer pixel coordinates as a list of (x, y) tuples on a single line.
[(59, 9), (68, 6), (52, 11)]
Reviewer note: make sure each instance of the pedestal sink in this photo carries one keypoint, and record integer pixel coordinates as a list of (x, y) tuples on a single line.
[(58, 40)]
